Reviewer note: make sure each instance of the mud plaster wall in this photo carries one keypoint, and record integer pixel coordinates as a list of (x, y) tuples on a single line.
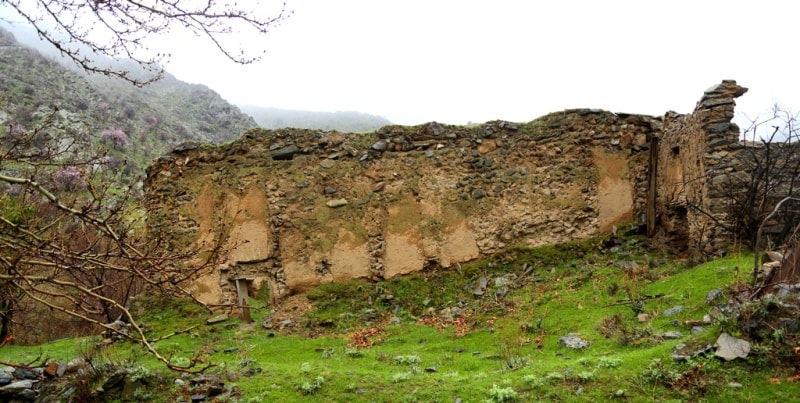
[(298, 208)]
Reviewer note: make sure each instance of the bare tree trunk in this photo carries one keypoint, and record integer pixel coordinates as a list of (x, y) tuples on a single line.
[(6, 316)]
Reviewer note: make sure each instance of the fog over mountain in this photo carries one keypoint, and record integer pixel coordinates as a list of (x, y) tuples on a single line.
[(345, 121)]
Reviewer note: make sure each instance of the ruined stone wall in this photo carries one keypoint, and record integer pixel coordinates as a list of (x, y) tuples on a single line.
[(297, 208), (300, 207), (695, 153)]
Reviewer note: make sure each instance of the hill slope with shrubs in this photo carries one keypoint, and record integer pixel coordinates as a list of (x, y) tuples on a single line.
[(145, 122)]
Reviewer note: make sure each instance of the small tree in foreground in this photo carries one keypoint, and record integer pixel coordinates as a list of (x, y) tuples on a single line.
[(71, 245)]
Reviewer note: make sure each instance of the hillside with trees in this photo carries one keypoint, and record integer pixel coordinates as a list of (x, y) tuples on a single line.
[(146, 121)]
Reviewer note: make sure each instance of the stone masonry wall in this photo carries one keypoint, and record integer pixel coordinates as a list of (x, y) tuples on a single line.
[(302, 207), (297, 208), (695, 152)]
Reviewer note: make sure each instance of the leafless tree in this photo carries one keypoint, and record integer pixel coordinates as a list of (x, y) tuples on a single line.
[(764, 172), (779, 208), (70, 242), (85, 31)]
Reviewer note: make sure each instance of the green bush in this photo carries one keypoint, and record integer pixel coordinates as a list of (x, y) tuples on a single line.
[(498, 394)]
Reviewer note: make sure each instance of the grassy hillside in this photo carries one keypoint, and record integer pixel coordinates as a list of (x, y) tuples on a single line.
[(443, 336)]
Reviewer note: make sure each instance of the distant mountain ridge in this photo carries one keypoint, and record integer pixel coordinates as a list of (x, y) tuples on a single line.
[(344, 121)]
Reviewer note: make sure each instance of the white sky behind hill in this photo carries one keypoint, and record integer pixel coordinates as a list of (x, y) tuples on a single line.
[(415, 61)]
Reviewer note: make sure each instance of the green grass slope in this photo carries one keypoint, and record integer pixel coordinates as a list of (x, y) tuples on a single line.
[(442, 336)]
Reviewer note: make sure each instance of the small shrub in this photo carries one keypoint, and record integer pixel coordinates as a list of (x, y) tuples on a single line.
[(554, 377), (499, 394), (585, 376), (531, 327), (328, 352), (534, 381), (353, 352), (138, 372), (510, 352), (311, 387), (658, 373), (609, 362), (142, 395), (406, 360), (624, 333), (401, 377)]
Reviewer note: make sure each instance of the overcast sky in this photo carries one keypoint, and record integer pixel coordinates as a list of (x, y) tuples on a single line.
[(416, 61), (458, 61)]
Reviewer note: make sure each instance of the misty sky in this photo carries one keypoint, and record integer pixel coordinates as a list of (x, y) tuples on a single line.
[(415, 61)]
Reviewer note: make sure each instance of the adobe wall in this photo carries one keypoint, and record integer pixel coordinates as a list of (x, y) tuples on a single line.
[(297, 208)]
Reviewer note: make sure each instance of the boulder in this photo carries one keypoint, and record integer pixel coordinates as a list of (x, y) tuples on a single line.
[(574, 342), (730, 348)]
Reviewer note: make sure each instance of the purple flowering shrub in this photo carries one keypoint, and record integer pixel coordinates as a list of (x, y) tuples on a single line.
[(18, 130), (69, 178), (151, 121), (115, 137)]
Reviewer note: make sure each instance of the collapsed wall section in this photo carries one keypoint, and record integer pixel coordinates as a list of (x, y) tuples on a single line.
[(296, 208), (696, 153)]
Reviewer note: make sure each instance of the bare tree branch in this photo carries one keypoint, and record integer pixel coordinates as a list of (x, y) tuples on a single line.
[(68, 244), (775, 211), (87, 31)]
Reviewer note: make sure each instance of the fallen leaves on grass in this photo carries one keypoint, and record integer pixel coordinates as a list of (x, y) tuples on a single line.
[(461, 325), (364, 338)]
